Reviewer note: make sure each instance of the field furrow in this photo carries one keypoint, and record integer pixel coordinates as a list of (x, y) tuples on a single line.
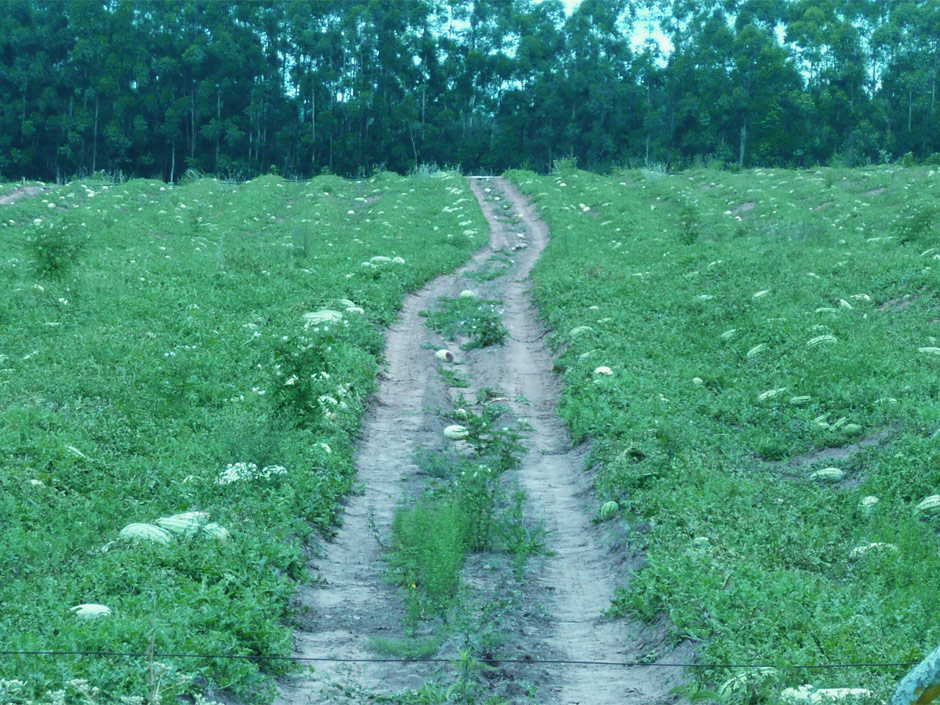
[(352, 602), (579, 572)]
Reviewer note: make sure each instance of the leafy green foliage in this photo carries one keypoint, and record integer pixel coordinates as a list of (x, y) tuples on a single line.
[(478, 320), (796, 332), (154, 372), (54, 249)]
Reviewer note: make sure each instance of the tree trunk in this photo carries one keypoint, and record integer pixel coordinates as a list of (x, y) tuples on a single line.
[(192, 143), (910, 107), (68, 130), (172, 161), (313, 129), (218, 117), (94, 144), (743, 145)]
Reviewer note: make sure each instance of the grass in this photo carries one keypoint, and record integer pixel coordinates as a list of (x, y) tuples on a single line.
[(454, 378), (153, 336), (702, 292), (407, 648), (463, 509), (478, 320), (494, 267)]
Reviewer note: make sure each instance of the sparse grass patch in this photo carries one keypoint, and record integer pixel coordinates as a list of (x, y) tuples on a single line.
[(407, 647), (476, 319), (454, 378), (498, 264), (462, 509)]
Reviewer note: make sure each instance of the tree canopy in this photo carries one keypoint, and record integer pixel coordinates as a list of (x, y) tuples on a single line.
[(156, 87)]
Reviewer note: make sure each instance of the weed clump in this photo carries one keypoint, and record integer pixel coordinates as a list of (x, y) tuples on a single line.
[(917, 224), (461, 511), (473, 318), (54, 250)]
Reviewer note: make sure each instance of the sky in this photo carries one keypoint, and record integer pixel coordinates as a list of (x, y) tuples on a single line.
[(640, 32)]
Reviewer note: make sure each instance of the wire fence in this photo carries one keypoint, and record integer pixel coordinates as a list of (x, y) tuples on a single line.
[(492, 661)]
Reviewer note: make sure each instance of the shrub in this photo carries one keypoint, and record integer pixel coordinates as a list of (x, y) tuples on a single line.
[(54, 249)]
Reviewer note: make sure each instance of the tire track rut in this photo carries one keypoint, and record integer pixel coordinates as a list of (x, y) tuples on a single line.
[(572, 584), (580, 573), (351, 601)]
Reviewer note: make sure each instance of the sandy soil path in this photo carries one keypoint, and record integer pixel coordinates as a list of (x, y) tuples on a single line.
[(19, 193), (352, 602), (578, 577), (570, 586)]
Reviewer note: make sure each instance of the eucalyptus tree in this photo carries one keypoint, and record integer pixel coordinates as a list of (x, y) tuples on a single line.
[(34, 48), (155, 87), (600, 94), (766, 87), (907, 47), (828, 45), (531, 109)]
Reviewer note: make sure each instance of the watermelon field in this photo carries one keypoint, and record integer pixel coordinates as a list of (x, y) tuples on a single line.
[(760, 327), (155, 361), (322, 419)]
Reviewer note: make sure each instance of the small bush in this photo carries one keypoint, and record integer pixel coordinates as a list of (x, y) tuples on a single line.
[(54, 250), (690, 224), (916, 224), (476, 319), (431, 541)]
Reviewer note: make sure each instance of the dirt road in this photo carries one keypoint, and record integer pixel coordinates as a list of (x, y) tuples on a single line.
[(571, 584)]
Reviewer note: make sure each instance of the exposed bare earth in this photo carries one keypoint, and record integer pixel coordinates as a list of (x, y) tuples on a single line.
[(829, 455), (566, 590), (352, 602), (579, 575), (17, 194)]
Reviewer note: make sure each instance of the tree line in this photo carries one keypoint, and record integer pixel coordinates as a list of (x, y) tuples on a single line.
[(156, 87)]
